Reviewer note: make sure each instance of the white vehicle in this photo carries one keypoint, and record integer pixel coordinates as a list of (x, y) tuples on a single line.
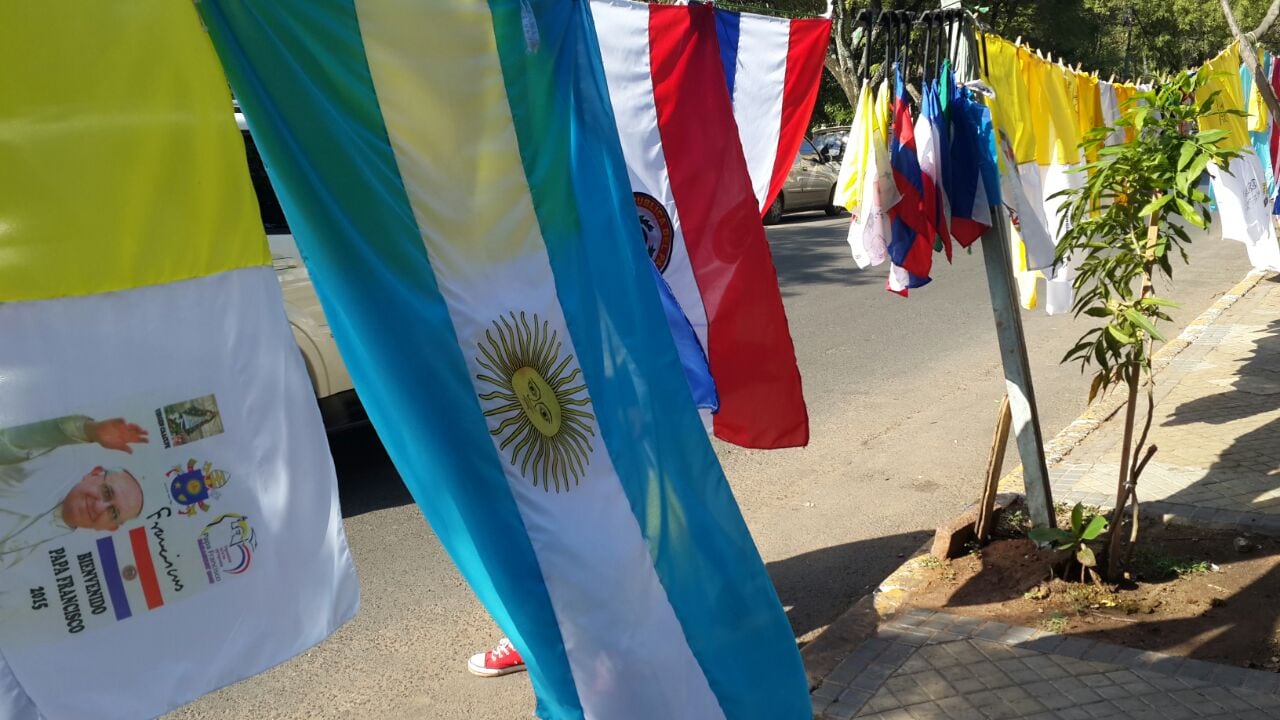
[(334, 391)]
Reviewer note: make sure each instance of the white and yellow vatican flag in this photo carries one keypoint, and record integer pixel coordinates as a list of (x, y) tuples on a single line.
[(169, 519)]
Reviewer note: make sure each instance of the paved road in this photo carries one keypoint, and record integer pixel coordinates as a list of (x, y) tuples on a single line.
[(902, 396)]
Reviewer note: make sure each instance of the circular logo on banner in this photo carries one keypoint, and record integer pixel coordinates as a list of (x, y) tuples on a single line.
[(655, 225)]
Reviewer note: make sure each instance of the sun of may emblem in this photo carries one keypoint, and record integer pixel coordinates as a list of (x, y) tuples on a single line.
[(543, 410)]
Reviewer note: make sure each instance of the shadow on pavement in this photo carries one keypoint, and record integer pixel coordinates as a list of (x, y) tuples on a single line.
[(819, 586), (816, 254), (1246, 469)]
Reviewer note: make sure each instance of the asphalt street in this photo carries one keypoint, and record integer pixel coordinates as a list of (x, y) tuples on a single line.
[(902, 396)]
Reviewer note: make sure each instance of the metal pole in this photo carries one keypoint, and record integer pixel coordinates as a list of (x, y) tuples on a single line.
[(1017, 369)]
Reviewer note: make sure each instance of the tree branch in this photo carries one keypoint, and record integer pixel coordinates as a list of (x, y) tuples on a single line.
[(1231, 18), (1250, 57), (1265, 25)]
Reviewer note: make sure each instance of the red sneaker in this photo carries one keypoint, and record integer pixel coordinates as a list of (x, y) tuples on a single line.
[(502, 660)]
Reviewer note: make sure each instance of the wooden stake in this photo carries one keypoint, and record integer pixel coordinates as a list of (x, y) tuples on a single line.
[(995, 461)]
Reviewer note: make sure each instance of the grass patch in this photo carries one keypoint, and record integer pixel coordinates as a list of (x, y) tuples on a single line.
[(1014, 523), (943, 567), (1086, 597), (1153, 565), (1055, 623), (1062, 511)]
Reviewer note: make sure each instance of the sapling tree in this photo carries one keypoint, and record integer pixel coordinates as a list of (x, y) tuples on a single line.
[(1122, 228)]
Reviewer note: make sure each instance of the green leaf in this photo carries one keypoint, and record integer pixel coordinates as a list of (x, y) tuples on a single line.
[(1211, 137), (1184, 156), (1077, 518), (1097, 525), (1141, 321), (1085, 557), (1187, 211), (1098, 312), (1140, 117), (1156, 204), (1159, 302), (1118, 334), (1048, 536)]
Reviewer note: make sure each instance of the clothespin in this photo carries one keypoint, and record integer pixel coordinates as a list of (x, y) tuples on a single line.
[(1112, 80), (1018, 42), (1078, 67)]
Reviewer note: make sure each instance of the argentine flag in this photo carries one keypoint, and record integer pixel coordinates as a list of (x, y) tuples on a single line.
[(453, 175)]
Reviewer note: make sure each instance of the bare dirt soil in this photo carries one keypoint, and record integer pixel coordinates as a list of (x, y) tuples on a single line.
[(1194, 594)]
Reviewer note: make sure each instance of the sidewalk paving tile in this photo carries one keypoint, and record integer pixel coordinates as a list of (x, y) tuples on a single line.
[(1216, 423), (1217, 426), (984, 672)]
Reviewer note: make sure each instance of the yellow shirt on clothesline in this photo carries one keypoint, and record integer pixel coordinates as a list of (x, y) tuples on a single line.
[(857, 150), (1053, 114), (1223, 76), (1089, 108), (1259, 116), (1124, 101), (1010, 111)]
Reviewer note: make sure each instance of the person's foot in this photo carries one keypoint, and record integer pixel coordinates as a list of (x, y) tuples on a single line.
[(501, 660)]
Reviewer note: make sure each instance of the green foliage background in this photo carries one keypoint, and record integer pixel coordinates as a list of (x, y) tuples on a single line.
[(1166, 34)]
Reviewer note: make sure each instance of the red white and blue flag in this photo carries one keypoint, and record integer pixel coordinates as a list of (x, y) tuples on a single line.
[(773, 67), (932, 150), (698, 211), (911, 247), (972, 184)]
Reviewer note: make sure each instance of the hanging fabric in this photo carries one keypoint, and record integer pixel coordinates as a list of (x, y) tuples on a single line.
[(911, 245), (932, 150), (1109, 105), (1259, 122), (1273, 77), (972, 179), (1239, 188), (1089, 109)]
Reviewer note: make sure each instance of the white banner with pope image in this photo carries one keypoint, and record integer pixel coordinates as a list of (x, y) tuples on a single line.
[(169, 519)]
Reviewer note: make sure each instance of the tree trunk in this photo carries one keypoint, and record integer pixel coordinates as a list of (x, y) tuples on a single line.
[(1129, 453), (848, 81), (843, 60), (1249, 56), (1122, 490)]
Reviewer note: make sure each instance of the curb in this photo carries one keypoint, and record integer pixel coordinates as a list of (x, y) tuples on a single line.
[(1057, 449), (860, 621)]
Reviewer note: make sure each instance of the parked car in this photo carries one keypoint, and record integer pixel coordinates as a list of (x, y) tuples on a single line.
[(831, 141), (811, 185), (329, 378)]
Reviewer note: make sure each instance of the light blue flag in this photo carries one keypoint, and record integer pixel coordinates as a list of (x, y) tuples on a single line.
[(454, 180)]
